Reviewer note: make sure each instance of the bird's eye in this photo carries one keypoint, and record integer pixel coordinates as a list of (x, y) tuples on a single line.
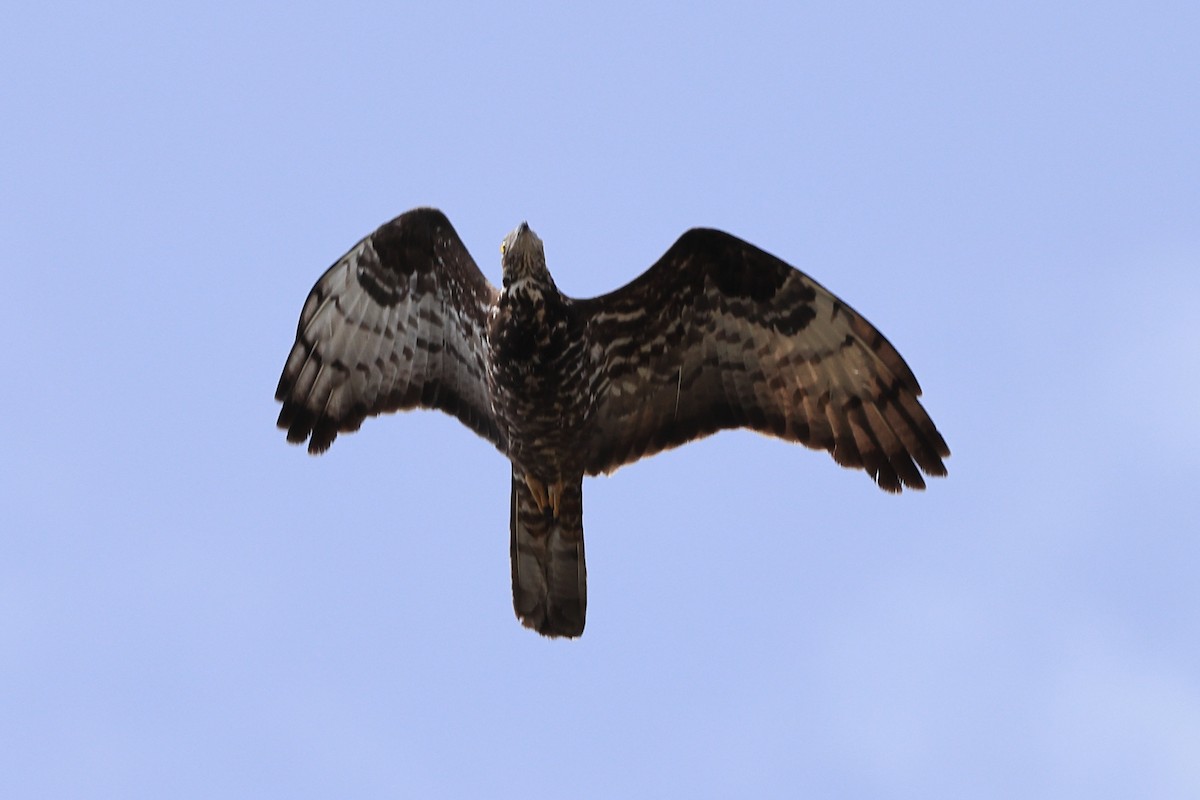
[(502, 248)]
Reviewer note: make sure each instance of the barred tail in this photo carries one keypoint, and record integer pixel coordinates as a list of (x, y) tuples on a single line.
[(549, 574)]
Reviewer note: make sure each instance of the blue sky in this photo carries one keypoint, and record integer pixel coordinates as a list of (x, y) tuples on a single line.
[(189, 607)]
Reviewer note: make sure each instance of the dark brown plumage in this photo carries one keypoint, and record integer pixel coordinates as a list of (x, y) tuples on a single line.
[(717, 334)]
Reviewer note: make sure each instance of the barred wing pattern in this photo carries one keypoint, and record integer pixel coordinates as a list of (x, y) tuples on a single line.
[(399, 322), (720, 334)]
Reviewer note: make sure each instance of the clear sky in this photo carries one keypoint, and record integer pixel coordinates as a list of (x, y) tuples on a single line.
[(190, 607)]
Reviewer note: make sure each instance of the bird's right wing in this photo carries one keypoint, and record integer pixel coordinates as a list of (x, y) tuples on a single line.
[(399, 322)]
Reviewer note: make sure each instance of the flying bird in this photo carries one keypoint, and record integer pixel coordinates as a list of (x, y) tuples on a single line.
[(716, 334)]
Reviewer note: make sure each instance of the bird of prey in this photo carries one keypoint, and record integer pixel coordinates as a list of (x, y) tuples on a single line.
[(716, 334)]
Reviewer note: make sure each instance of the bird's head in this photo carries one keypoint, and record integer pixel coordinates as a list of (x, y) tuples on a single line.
[(524, 261)]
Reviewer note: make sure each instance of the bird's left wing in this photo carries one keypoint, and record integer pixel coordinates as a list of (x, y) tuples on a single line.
[(399, 322), (720, 334)]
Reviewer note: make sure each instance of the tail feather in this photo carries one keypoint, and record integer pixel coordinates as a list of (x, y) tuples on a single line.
[(549, 573)]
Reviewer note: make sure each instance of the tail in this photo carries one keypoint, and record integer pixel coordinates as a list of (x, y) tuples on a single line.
[(549, 574)]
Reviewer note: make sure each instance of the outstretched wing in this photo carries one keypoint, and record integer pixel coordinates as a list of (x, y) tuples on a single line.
[(719, 334), (399, 322)]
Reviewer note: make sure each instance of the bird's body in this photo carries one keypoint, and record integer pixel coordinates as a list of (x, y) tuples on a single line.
[(717, 334), (539, 372)]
